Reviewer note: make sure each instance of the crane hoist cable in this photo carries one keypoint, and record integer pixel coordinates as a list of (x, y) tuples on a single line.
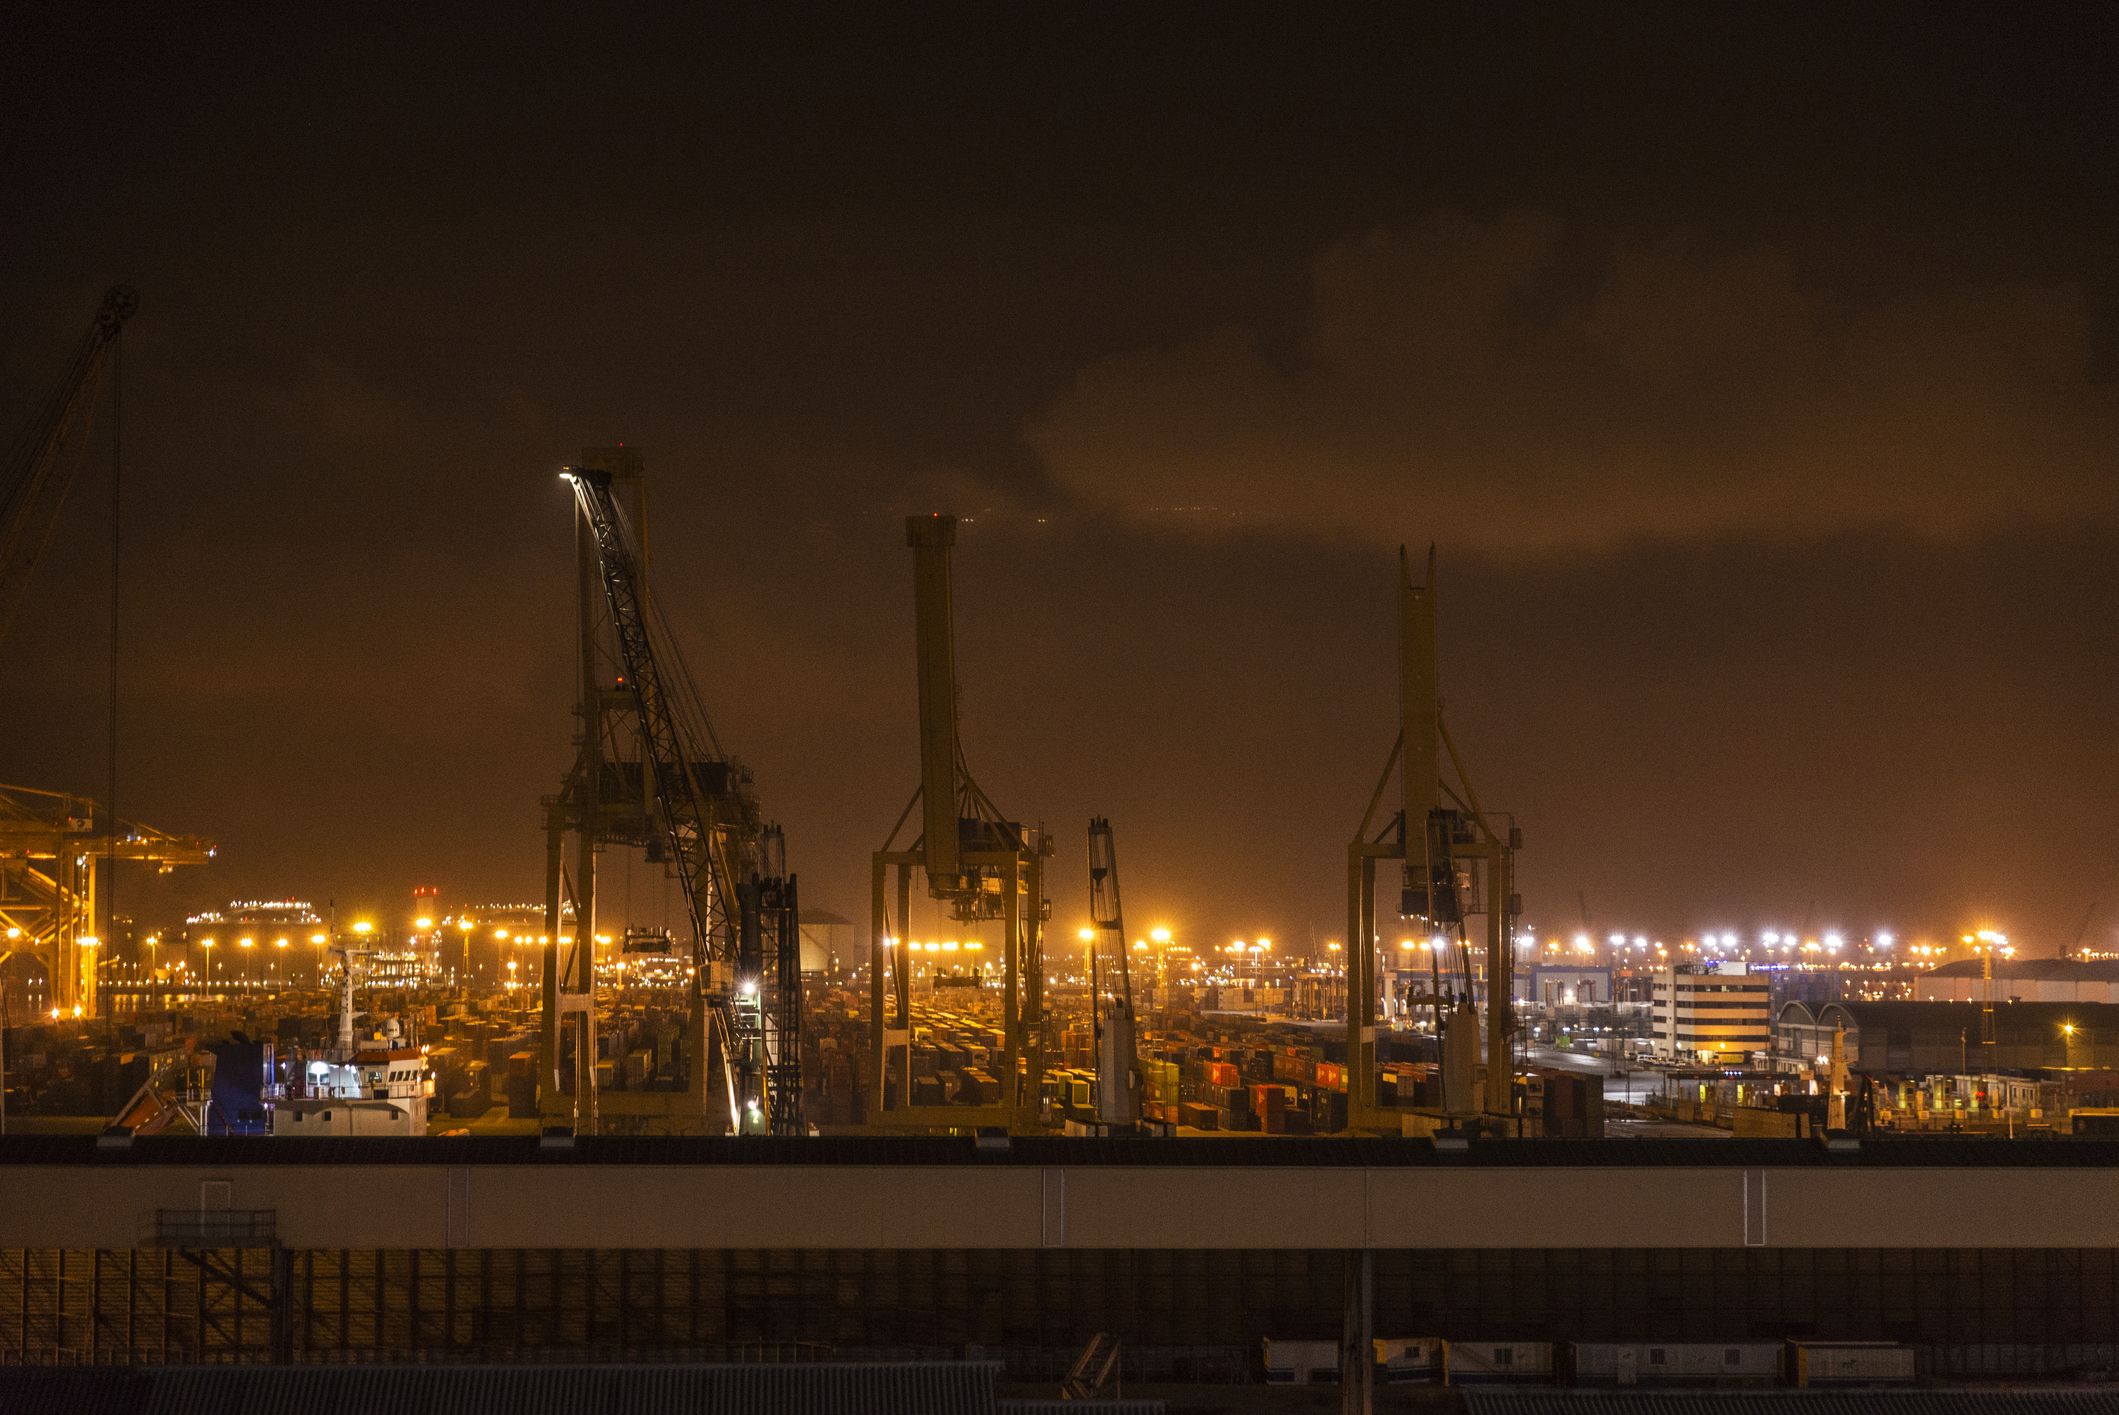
[(109, 890)]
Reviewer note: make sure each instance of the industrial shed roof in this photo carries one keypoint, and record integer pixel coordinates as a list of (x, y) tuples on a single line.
[(2087, 970)]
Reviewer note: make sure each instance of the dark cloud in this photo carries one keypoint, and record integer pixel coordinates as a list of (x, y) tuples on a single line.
[(1442, 389), (1754, 371)]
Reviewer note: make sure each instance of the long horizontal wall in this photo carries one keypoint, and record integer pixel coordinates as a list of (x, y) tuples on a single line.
[(1031, 1200)]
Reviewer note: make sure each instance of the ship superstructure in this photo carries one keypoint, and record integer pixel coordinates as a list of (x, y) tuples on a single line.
[(368, 1082)]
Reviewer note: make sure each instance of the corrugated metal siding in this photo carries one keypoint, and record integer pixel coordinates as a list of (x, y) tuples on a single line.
[(1791, 1402), (901, 1388)]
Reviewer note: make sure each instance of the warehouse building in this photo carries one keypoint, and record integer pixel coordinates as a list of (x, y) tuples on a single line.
[(1553, 988), (1945, 1038), (2022, 980)]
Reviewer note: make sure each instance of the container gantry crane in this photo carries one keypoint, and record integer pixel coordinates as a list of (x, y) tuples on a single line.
[(1118, 1083), (1457, 865), (692, 809), (982, 867), (55, 848)]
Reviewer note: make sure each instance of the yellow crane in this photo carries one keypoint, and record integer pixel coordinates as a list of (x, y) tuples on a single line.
[(56, 848), (1457, 865), (983, 868)]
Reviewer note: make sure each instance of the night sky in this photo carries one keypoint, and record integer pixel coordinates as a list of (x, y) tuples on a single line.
[(1754, 372)]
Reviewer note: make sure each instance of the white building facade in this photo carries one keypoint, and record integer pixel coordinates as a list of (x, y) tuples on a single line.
[(1713, 1013)]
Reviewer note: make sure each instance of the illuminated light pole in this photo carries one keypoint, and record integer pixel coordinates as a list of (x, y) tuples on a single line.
[(90, 943), (207, 944), (1988, 942)]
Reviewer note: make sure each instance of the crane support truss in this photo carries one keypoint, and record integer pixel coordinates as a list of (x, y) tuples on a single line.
[(691, 809), (1456, 866)]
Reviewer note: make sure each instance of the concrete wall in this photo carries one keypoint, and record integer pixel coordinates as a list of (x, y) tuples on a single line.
[(1090, 1206)]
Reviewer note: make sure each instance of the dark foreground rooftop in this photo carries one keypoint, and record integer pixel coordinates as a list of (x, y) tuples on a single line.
[(1793, 1402), (853, 1388)]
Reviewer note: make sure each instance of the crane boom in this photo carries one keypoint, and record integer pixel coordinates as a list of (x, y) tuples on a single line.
[(713, 843), (699, 861), (41, 466), (1111, 986)]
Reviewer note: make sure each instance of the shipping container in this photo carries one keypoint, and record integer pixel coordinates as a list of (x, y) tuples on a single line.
[(1851, 1363), (1468, 1362), (1408, 1360), (1199, 1117), (1648, 1363), (1301, 1363)]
